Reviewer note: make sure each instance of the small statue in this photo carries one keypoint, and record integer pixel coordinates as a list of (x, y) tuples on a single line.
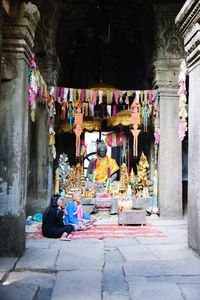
[(142, 172), (124, 178)]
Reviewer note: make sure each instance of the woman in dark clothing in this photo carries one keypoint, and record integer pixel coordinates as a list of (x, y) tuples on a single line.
[(52, 222)]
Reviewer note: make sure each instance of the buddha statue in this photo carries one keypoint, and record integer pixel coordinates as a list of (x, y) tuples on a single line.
[(102, 167)]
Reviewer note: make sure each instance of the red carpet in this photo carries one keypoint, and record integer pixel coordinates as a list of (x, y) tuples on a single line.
[(102, 231)]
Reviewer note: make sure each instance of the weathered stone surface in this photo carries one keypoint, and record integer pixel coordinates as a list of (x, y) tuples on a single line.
[(113, 256), (155, 291), (27, 277), (41, 243), (152, 241), (169, 51), (170, 187), (114, 283), (83, 258), (79, 285), (18, 291), (188, 23), (114, 243), (75, 244), (38, 259), (174, 252), (191, 291), (189, 279), (39, 178), (45, 282), (163, 268), (194, 162), (18, 36), (177, 235), (137, 252), (7, 263)]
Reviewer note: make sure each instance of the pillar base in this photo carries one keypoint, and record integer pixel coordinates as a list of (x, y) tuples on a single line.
[(12, 241)]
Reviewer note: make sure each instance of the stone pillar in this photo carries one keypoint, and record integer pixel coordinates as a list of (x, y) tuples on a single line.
[(18, 37), (1, 21), (40, 180), (188, 22), (41, 165), (169, 51)]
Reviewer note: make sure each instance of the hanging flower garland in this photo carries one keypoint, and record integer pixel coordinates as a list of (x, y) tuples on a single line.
[(182, 102), (91, 101), (37, 90)]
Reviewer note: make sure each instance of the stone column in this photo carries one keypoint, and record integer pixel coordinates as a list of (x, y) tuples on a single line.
[(188, 22), (1, 20), (168, 55), (40, 181), (18, 37)]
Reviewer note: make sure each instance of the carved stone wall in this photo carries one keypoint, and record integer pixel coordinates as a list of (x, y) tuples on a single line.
[(46, 40), (168, 54), (188, 22), (169, 43), (1, 20), (18, 39)]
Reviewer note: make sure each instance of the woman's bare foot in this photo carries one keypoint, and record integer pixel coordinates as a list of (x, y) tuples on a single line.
[(65, 237)]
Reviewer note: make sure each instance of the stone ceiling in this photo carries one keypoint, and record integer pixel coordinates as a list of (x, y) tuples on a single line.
[(99, 40)]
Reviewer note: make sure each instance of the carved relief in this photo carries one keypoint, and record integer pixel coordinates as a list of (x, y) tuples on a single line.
[(8, 71), (169, 43), (18, 33), (188, 23), (45, 43)]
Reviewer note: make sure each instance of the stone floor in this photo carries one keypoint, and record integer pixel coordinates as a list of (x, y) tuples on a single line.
[(114, 269)]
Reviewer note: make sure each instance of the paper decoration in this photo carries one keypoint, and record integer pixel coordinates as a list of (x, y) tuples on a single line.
[(78, 122), (115, 139), (135, 120), (145, 114), (182, 101), (100, 97)]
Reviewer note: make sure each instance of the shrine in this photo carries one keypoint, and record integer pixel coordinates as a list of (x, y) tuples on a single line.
[(94, 99)]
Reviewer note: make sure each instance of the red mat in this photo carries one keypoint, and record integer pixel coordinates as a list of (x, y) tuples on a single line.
[(102, 231)]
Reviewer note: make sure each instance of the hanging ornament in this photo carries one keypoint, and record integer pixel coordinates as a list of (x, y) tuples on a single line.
[(82, 95), (91, 109), (94, 97), (87, 95), (182, 101), (78, 122), (85, 108), (109, 110), (116, 94), (100, 96), (91, 96), (145, 114), (135, 121)]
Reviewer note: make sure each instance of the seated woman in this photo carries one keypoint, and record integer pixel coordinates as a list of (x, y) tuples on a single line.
[(74, 214), (52, 222)]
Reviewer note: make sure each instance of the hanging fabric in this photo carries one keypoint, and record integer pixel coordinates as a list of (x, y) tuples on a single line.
[(100, 96), (115, 139), (135, 120), (78, 122)]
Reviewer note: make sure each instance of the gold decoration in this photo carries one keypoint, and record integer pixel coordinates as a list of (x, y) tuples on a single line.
[(123, 117), (56, 186), (75, 180), (88, 125), (124, 179), (142, 172)]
